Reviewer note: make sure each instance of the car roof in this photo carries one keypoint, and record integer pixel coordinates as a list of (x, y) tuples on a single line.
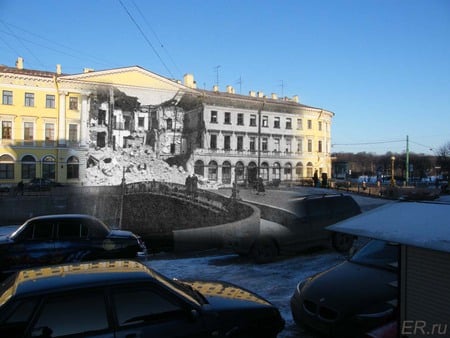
[(62, 216), (72, 276)]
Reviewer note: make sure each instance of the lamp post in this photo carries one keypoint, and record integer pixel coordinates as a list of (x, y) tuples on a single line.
[(392, 171)]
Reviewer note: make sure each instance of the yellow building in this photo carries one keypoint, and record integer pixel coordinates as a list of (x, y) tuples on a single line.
[(40, 126)]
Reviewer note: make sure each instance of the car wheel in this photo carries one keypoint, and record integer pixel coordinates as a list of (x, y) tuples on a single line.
[(264, 250), (342, 242)]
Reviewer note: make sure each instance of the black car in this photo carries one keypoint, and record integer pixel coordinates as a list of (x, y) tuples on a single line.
[(353, 297), (124, 298), (302, 226), (39, 184), (61, 238)]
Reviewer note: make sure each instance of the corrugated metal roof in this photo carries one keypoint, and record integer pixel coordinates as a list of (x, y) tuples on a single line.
[(419, 224)]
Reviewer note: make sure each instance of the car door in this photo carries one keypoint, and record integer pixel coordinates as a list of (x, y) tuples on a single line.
[(319, 215), (73, 314), (151, 311), (71, 241), (35, 245)]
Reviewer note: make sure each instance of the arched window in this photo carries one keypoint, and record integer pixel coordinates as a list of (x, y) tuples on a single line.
[(212, 171), (73, 167), (252, 172), (264, 171), (288, 172), (6, 167), (199, 168), (28, 167), (299, 170), (309, 170), (276, 170), (226, 172), (49, 167), (239, 171)]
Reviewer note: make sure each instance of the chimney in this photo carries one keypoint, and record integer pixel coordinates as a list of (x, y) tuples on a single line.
[(87, 70), (230, 90), (215, 88), (252, 93), (188, 80), (295, 99), (274, 96), (260, 94), (19, 63), (58, 69)]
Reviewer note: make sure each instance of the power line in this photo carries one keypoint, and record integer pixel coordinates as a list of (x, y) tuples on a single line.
[(145, 37), (366, 143), (156, 36)]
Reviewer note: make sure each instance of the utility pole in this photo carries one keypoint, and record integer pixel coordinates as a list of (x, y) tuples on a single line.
[(217, 74), (259, 139), (407, 160)]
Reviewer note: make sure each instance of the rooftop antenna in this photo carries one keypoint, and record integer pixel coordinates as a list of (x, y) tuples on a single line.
[(217, 74), (239, 81), (282, 88)]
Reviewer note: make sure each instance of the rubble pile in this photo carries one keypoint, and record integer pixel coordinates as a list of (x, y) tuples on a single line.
[(106, 167)]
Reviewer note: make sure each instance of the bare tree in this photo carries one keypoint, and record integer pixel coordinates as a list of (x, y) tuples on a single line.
[(443, 158)]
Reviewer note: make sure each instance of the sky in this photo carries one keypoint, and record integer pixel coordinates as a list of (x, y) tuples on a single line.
[(381, 66)]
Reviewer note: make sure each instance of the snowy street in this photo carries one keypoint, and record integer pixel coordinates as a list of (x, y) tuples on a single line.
[(275, 281)]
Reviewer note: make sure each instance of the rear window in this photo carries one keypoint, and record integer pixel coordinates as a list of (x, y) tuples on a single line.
[(72, 229)]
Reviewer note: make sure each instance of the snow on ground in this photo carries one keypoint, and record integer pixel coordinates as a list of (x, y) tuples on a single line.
[(106, 167), (274, 281)]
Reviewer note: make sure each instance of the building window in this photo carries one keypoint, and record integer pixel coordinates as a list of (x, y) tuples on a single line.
[(265, 121), (299, 124), (276, 122), (28, 167), (6, 130), (276, 170), (73, 103), (309, 146), (276, 142), (73, 167), (6, 167), (49, 133), (226, 142), (299, 170), (141, 122), (199, 168), (50, 101), (73, 132), (264, 171), (212, 171), (252, 120), (264, 144), (29, 99), (288, 145), (213, 142), (309, 124), (288, 171), (309, 170), (7, 97), (240, 119), (226, 172), (49, 167), (319, 146), (299, 146), (239, 171), (320, 126), (28, 131), (213, 116), (169, 124), (288, 123), (227, 118), (252, 143), (240, 143)]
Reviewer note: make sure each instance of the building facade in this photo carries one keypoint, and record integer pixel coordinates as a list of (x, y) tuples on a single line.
[(236, 138), (41, 132)]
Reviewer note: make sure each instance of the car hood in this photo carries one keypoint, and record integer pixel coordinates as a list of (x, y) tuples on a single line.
[(349, 288), (4, 239), (121, 234), (223, 294)]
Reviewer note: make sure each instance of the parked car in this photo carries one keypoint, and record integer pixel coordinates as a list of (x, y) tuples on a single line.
[(353, 297), (304, 227), (124, 298), (39, 184), (61, 238)]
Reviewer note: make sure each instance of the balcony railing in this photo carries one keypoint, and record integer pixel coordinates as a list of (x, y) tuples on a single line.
[(249, 153)]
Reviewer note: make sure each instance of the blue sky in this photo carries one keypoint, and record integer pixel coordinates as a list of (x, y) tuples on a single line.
[(382, 66)]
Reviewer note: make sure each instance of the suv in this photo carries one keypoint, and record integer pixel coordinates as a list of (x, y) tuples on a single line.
[(124, 298), (302, 226)]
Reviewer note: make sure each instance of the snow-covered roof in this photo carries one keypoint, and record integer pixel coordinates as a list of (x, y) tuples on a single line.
[(419, 224)]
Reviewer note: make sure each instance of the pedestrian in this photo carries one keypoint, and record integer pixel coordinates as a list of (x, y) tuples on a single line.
[(194, 185), (260, 186), (188, 185)]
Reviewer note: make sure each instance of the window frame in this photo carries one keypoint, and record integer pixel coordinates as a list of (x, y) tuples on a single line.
[(50, 101), (7, 97), (29, 99)]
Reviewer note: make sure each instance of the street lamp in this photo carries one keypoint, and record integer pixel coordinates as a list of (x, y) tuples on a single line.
[(392, 171)]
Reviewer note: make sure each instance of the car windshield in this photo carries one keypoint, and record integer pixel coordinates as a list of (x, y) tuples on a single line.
[(377, 253)]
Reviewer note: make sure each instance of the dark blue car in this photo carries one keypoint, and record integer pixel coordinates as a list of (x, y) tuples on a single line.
[(62, 238)]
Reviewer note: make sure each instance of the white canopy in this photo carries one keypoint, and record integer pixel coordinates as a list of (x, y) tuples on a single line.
[(419, 224)]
